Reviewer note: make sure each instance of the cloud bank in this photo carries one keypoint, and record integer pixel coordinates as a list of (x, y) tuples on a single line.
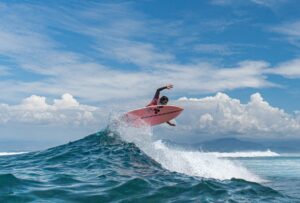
[(217, 115), (35, 110), (122, 53), (221, 115)]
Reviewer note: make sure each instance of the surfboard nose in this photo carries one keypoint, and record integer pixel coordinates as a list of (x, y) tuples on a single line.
[(181, 109), (178, 108)]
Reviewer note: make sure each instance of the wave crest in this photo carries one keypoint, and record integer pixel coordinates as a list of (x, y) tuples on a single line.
[(192, 163)]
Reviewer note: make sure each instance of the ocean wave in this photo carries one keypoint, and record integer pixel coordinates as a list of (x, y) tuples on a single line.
[(192, 163), (104, 168)]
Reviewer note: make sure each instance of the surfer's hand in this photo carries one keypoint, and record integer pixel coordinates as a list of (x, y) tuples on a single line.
[(169, 86)]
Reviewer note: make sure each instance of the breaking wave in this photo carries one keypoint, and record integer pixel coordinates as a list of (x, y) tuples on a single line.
[(126, 165)]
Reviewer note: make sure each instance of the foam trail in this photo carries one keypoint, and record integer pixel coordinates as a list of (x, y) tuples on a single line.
[(193, 163), (267, 153)]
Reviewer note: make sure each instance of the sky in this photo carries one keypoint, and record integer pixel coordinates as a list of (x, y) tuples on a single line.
[(68, 67)]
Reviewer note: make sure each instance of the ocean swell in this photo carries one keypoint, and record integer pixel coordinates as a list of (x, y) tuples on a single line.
[(104, 168)]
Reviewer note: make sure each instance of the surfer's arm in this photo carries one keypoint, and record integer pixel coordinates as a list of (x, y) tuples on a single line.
[(171, 124), (156, 96)]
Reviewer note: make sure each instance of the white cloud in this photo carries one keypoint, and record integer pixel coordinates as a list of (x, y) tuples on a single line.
[(31, 37), (221, 115), (144, 55), (35, 110), (34, 103), (290, 31), (67, 101), (29, 42), (203, 118), (289, 69)]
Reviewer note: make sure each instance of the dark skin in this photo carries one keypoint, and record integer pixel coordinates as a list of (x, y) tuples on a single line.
[(169, 86)]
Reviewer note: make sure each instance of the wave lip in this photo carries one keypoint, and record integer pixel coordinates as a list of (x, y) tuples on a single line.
[(250, 154)]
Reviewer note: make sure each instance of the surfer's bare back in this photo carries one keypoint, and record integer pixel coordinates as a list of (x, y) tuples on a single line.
[(162, 100)]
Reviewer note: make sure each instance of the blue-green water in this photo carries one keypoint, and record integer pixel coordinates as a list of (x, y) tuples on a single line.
[(104, 168), (281, 172)]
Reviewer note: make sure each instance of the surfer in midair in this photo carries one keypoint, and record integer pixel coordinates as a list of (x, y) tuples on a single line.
[(162, 100)]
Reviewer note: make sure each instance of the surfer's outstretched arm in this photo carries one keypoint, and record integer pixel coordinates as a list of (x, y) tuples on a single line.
[(169, 86), (156, 96)]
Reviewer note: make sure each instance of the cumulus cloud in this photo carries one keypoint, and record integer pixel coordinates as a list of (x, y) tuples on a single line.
[(218, 115), (35, 110), (222, 115), (67, 101)]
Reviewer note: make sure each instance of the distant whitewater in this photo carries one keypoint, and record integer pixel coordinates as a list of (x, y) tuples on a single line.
[(11, 153), (126, 165), (267, 153)]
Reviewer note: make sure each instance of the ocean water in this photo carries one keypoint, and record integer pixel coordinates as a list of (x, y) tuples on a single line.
[(126, 165)]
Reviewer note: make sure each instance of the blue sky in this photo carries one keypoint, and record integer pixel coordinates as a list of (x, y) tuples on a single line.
[(107, 53)]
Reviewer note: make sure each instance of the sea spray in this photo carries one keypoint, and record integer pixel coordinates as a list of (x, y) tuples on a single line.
[(192, 163)]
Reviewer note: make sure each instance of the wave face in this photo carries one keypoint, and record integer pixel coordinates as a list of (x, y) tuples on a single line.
[(118, 166)]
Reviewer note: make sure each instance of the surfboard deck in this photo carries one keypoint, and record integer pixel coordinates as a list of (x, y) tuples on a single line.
[(152, 115)]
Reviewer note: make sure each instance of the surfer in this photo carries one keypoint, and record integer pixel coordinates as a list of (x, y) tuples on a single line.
[(162, 100)]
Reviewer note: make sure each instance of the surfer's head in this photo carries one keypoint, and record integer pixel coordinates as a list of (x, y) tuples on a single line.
[(163, 100)]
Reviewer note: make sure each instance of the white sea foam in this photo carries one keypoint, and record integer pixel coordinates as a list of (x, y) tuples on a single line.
[(267, 153), (11, 153), (193, 163)]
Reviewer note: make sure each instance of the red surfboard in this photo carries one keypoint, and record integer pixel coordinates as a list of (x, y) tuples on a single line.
[(151, 115)]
